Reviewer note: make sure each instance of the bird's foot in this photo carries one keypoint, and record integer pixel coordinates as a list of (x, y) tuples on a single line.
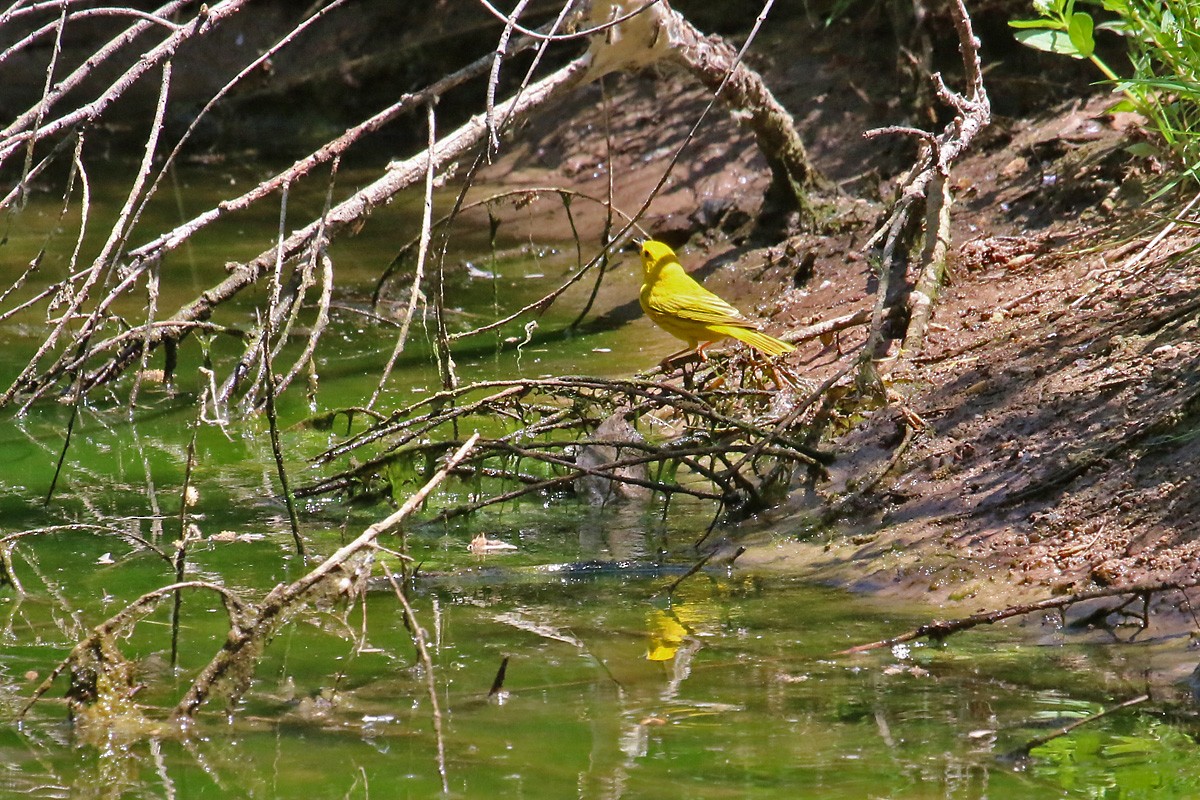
[(680, 359)]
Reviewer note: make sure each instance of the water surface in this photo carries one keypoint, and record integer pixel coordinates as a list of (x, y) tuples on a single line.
[(731, 687)]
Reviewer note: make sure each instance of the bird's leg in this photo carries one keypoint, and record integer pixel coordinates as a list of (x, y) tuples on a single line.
[(666, 363), (768, 365), (775, 378)]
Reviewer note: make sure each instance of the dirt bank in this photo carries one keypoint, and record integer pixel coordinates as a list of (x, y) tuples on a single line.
[(1057, 395)]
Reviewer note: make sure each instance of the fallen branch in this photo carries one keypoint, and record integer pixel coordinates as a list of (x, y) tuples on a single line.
[(28, 128), (1023, 751), (102, 677), (627, 36), (232, 667), (99, 672), (399, 176), (930, 181), (584, 433), (719, 67), (940, 629), (819, 329)]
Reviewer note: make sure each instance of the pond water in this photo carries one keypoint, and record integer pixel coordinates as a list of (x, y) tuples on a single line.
[(731, 687)]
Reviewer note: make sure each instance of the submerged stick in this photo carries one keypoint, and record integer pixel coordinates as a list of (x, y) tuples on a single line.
[(418, 637), (940, 629), (699, 565), (1024, 750), (234, 606), (62, 456), (236, 660), (498, 681)]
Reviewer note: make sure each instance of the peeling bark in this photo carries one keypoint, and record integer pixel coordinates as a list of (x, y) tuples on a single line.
[(930, 181)]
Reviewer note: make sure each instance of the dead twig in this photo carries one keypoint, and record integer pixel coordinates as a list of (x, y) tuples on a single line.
[(929, 180), (940, 629), (422, 252), (271, 388), (1023, 751), (418, 636), (179, 561), (28, 126), (230, 670), (95, 661), (737, 440), (350, 211)]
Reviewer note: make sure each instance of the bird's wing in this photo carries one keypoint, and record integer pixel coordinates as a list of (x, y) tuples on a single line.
[(697, 304)]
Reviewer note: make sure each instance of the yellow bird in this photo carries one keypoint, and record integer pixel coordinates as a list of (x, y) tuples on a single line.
[(688, 311)]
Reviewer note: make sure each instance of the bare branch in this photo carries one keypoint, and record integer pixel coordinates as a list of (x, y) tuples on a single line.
[(929, 180), (235, 661), (27, 128), (399, 176)]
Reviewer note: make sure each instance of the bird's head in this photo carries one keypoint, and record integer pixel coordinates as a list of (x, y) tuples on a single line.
[(655, 254)]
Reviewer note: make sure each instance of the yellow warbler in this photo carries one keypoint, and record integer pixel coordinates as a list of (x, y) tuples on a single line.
[(688, 311)]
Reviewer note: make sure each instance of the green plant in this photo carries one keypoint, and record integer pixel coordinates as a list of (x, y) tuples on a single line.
[(1164, 54)]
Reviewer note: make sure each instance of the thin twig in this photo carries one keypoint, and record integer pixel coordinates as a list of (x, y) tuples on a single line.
[(19, 131), (181, 545), (249, 636), (699, 565), (939, 629), (1024, 750), (418, 637), (102, 263), (62, 456), (269, 377), (143, 605), (422, 252)]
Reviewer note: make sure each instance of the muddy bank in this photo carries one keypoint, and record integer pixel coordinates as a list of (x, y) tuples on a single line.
[(1057, 394)]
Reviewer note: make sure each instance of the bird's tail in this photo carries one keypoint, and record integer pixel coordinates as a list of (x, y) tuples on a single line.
[(759, 341)]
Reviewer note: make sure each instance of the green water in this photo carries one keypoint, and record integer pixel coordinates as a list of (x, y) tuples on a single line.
[(733, 688)]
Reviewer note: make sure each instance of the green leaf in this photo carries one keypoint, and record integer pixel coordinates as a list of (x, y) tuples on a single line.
[(1079, 27), (1142, 150), (1050, 41), (1121, 105), (1048, 24), (1117, 26), (1058, 6)]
